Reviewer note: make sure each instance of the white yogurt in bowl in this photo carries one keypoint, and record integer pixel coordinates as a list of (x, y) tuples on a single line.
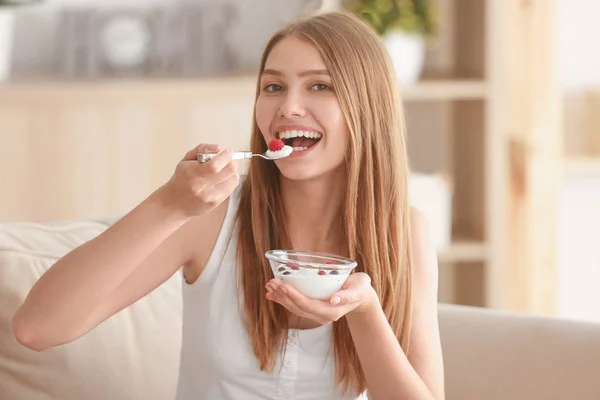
[(315, 275)]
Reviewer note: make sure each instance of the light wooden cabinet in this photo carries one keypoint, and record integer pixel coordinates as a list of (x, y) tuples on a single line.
[(501, 148), (91, 150), (457, 133)]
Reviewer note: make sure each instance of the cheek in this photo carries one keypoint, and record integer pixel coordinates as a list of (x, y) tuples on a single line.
[(264, 114), (341, 141), (335, 124)]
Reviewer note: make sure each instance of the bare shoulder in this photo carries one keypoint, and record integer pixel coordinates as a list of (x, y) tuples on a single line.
[(418, 221), (425, 351), (419, 226), (424, 257), (201, 236)]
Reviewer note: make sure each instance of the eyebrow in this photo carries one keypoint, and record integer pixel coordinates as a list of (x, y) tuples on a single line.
[(309, 72)]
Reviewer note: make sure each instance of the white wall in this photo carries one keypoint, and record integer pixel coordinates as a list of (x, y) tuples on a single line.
[(578, 29), (579, 248), (257, 20)]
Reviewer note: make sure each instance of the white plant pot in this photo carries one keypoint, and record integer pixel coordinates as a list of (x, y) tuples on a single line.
[(407, 52), (7, 27)]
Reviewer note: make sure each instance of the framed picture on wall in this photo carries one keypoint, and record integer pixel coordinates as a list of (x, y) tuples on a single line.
[(186, 39)]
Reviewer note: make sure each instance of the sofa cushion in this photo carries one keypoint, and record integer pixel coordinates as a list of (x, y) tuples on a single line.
[(499, 355), (132, 355)]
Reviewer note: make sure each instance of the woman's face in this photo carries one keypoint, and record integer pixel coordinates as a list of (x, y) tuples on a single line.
[(297, 103)]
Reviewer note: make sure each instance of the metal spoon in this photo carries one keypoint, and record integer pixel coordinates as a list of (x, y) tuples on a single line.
[(237, 155)]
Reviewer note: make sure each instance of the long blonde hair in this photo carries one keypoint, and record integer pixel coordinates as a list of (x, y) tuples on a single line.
[(376, 218)]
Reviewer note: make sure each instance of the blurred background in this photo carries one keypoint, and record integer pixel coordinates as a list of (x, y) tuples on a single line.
[(99, 100)]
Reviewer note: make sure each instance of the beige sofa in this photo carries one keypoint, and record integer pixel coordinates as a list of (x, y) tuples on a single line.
[(134, 355)]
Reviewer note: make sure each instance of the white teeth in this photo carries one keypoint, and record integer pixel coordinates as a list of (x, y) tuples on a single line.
[(300, 148), (295, 133)]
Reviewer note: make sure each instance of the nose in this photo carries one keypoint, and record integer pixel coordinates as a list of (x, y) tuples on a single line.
[(292, 105)]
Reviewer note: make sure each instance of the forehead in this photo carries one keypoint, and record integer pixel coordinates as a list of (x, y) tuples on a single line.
[(294, 54)]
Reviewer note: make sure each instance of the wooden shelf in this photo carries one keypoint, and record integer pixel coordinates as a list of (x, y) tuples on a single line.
[(436, 90), (426, 90), (583, 165), (463, 250), (218, 87)]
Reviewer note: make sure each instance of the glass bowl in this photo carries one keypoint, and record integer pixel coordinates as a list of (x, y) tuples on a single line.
[(315, 275)]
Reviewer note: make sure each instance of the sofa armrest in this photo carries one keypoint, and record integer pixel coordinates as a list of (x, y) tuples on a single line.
[(495, 355)]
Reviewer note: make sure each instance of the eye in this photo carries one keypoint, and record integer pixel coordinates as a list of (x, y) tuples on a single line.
[(320, 87), (273, 87)]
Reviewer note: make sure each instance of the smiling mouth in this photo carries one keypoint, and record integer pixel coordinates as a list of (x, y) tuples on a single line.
[(300, 140)]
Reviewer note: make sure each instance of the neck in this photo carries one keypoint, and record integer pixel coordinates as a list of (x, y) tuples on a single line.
[(313, 211)]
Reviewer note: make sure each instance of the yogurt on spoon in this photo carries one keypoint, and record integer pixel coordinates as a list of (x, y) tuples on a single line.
[(277, 149)]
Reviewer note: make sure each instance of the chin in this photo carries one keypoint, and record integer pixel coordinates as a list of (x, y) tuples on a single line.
[(298, 173)]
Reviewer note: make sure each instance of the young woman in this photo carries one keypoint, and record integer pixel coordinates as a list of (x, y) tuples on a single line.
[(246, 335)]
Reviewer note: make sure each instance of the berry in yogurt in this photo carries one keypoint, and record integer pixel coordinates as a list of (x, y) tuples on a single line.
[(314, 283), (277, 149)]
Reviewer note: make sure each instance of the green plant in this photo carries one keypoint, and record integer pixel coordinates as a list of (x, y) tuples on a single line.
[(413, 16)]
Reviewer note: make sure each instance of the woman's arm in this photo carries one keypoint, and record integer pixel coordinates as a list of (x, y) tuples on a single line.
[(389, 372), (131, 258)]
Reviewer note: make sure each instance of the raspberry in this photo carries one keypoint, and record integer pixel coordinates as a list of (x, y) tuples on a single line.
[(276, 145), (329, 262), (294, 266), (321, 272)]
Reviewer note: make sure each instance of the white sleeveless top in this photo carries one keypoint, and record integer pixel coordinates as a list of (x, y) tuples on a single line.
[(217, 361)]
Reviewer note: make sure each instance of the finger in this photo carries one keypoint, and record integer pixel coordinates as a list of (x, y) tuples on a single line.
[(353, 289), (227, 172), (210, 168), (273, 283), (270, 287), (224, 189), (212, 195), (274, 297), (276, 281), (345, 296), (201, 148), (317, 310), (300, 301), (282, 297), (215, 165)]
